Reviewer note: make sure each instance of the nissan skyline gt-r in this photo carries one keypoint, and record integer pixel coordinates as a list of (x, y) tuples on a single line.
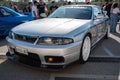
[(9, 19), (63, 37)]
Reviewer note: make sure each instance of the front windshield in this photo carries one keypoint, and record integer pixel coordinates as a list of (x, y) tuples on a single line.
[(75, 12)]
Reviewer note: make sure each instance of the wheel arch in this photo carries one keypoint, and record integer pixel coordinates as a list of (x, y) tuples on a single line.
[(88, 34), (80, 57)]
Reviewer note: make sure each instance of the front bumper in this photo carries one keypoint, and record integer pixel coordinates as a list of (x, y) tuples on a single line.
[(62, 55)]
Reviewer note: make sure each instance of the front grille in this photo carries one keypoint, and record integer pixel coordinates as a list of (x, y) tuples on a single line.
[(25, 38)]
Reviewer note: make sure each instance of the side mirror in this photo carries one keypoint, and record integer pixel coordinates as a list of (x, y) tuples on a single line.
[(99, 17)]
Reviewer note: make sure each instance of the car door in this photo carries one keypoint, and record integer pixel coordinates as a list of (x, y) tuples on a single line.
[(99, 21)]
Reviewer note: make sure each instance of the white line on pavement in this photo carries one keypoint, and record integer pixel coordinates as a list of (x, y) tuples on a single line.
[(107, 51), (114, 77)]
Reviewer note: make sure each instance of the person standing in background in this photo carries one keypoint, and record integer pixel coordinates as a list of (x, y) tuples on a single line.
[(11, 5), (14, 7), (53, 7), (114, 17), (35, 10), (41, 9), (108, 7), (28, 7), (46, 10)]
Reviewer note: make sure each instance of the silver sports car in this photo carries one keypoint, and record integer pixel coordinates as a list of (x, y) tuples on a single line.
[(63, 37)]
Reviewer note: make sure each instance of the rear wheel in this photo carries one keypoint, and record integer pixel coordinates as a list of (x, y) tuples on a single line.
[(85, 50)]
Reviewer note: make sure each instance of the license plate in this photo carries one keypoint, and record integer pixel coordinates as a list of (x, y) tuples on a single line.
[(21, 50)]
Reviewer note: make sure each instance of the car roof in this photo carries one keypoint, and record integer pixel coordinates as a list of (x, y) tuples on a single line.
[(81, 5)]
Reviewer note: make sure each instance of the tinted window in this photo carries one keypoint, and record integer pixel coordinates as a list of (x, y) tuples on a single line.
[(97, 11), (3, 12), (76, 12)]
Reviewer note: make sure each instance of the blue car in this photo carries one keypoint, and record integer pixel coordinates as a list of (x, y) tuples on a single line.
[(9, 19)]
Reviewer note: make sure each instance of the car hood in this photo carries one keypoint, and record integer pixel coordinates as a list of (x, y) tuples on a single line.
[(51, 26)]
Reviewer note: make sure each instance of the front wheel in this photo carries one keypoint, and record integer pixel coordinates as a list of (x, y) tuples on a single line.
[(85, 50)]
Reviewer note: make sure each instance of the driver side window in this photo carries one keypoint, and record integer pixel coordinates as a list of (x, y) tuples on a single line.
[(98, 12), (4, 13)]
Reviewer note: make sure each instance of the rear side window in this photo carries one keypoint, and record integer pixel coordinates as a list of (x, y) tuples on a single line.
[(97, 11)]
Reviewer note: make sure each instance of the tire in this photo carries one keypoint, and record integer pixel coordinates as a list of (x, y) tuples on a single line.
[(85, 50)]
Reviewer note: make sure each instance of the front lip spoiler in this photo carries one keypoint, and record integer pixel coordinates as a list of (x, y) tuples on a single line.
[(15, 58)]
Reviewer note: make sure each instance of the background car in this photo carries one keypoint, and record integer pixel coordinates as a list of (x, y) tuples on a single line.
[(9, 19), (65, 36)]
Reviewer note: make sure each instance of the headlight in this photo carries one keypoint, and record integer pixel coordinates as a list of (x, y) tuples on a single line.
[(54, 41), (10, 35)]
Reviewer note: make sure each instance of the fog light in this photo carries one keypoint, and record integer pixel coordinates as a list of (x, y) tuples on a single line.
[(50, 59), (54, 59)]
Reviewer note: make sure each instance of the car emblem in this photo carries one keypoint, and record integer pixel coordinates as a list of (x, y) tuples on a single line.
[(24, 38)]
